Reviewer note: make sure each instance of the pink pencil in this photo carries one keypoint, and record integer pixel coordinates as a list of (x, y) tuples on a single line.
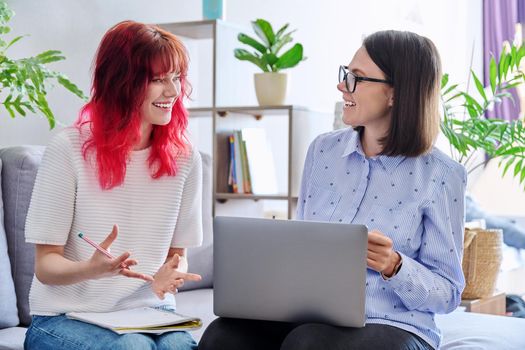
[(99, 248)]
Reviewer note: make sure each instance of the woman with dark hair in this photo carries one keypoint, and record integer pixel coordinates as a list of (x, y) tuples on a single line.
[(386, 174), (128, 168)]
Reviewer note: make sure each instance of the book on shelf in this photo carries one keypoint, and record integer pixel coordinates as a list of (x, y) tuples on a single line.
[(224, 182), (139, 320), (246, 163), (239, 173), (247, 188)]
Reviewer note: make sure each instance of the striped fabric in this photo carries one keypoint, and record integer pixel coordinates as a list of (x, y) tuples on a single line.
[(418, 202), (153, 215)]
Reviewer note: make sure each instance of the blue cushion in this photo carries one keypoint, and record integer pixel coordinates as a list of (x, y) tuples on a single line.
[(8, 309), (513, 233)]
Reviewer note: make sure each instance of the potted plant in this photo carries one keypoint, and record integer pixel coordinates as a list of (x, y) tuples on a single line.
[(271, 84), (468, 130), (26, 80)]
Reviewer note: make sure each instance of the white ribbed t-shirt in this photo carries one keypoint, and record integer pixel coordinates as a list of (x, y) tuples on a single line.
[(152, 214)]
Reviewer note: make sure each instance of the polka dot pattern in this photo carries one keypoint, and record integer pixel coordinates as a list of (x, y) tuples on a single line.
[(416, 201)]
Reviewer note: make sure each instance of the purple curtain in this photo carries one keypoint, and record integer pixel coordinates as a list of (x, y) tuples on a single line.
[(499, 25)]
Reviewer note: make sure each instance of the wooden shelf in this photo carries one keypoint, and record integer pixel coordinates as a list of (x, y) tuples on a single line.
[(252, 196), (246, 110), (494, 305)]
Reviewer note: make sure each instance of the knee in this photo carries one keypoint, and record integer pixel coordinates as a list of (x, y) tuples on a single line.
[(221, 334), (310, 336), (212, 335), (133, 341), (176, 341)]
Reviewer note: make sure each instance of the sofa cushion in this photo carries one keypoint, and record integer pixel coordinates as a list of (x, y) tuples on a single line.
[(200, 259), (12, 338), (197, 303), (8, 310), (20, 165)]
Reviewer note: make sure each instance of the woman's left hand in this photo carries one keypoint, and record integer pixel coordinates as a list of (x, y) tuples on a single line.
[(381, 255), (168, 278)]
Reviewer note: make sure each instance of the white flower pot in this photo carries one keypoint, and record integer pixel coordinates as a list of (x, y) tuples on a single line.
[(271, 88)]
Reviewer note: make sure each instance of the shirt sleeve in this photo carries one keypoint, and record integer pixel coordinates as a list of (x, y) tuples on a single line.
[(433, 282), (52, 204), (188, 230), (305, 180)]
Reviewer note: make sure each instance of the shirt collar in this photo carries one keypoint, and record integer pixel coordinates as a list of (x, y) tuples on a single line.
[(354, 146)]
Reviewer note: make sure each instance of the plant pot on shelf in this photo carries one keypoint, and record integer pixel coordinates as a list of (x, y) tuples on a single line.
[(271, 88)]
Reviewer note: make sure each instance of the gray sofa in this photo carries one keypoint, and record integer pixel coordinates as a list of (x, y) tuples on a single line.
[(18, 167)]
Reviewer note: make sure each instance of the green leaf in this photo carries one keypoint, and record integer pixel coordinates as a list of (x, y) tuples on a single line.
[(4, 29), (517, 167), (49, 56), (279, 43), (290, 58), (522, 176), (12, 42), (269, 59), (43, 106), (444, 80), (281, 31), (479, 86), (65, 82), (454, 97), (509, 163), (9, 110), (264, 31), (245, 39), (507, 63), (473, 103), (28, 106), (493, 73), (19, 109), (244, 55), (449, 89)]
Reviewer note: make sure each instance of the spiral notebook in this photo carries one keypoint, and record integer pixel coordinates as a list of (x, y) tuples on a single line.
[(139, 320)]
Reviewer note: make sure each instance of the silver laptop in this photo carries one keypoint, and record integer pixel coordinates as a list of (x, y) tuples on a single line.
[(294, 271)]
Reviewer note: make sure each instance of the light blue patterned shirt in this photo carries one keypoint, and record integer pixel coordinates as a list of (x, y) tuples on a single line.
[(416, 201)]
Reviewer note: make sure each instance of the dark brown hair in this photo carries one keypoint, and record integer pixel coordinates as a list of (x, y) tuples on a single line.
[(412, 63)]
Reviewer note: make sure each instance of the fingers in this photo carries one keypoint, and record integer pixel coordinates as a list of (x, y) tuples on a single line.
[(130, 262), (110, 238), (121, 260), (174, 261), (133, 274), (170, 288), (190, 276), (378, 238)]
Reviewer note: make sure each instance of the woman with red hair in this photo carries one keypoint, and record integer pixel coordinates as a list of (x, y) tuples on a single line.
[(127, 168)]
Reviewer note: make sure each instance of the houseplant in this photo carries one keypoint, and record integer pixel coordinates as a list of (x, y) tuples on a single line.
[(25, 81), (469, 131), (466, 127), (271, 84)]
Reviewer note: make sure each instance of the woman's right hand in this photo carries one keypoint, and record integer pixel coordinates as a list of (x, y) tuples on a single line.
[(100, 266)]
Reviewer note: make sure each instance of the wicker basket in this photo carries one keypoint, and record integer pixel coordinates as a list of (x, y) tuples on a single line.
[(481, 262)]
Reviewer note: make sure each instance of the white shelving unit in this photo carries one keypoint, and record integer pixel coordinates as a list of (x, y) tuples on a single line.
[(230, 104)]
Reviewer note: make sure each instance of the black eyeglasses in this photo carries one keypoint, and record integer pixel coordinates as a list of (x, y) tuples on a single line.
[(351, 79)]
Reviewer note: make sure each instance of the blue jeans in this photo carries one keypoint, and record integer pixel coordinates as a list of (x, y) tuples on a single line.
[(62, 333)]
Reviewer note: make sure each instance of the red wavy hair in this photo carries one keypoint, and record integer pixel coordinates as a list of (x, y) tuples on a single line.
[(129, 56)]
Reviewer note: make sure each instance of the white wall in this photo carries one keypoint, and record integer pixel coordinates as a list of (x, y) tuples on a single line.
[(330, 30)]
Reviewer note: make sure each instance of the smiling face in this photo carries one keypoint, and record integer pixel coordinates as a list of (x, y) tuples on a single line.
[(161, 94), (370, 105)]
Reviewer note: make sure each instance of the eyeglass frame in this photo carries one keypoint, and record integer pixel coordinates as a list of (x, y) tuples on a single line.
[(357, 78)]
